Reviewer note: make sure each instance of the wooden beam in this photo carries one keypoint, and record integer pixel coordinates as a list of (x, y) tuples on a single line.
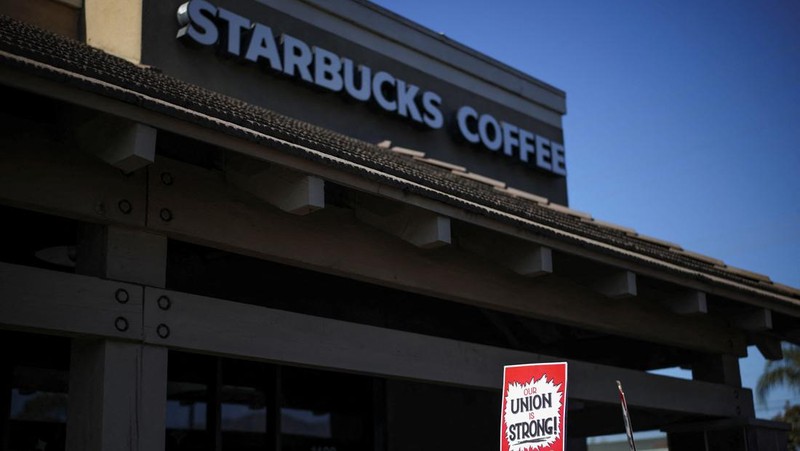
[(684, 277), (419, 227), (216, 326), (49, 176), (118, 386), (288, 190), (769, 346), (363, 252), (757, 320), (720, 369), (532, 261), (616, 285), (38, 299), (77, 185), (687, 302), (427, 231), (86, 189), (522, 257), (211, 325), (124, 144), (117, 253), (113, 388), (121, 386)]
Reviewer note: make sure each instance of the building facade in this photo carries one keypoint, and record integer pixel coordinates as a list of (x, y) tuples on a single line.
[(297, 225)]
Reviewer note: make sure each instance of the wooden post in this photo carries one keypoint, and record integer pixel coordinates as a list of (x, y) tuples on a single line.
[(720, 369), (115, 390), (118, 389), (724, 369)]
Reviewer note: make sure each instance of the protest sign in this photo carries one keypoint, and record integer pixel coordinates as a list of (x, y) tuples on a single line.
[(534, 407)]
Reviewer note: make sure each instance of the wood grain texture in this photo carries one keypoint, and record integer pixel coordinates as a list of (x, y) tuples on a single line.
[(221, 327), (208, 211), (51, 301)]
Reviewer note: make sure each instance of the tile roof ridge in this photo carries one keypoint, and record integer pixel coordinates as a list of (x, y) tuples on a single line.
[(405, 151), (702, 258), (514, 192), (480, 178), (610, 225), (748, 274), (442, 164), (569, 211), (792, 291), (455, 169), (664, 243)]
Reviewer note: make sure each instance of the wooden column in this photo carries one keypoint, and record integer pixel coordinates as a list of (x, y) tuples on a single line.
[(744, 433), (117, 389), (721, 369), (117, 395), (724, 369)]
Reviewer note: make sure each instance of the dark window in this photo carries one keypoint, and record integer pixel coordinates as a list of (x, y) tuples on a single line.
[(325, 411), (35, 378), (217, 403)]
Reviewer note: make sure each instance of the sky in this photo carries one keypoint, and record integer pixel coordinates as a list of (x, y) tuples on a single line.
[(683, 117)]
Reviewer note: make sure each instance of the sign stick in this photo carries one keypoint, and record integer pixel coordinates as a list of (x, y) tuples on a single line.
[(626, 417)]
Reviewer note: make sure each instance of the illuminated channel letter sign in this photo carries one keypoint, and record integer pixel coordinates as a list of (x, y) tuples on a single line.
[(488, 132), (207, 25), (534, 407)]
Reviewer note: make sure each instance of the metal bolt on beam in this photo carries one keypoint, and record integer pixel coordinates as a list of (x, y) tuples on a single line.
[(165, 214), (122, 296), (164, 303), (125, 206), (121, 324), (162, 330)]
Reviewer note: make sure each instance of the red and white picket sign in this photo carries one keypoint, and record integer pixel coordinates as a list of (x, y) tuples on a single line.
[(533, 416)]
